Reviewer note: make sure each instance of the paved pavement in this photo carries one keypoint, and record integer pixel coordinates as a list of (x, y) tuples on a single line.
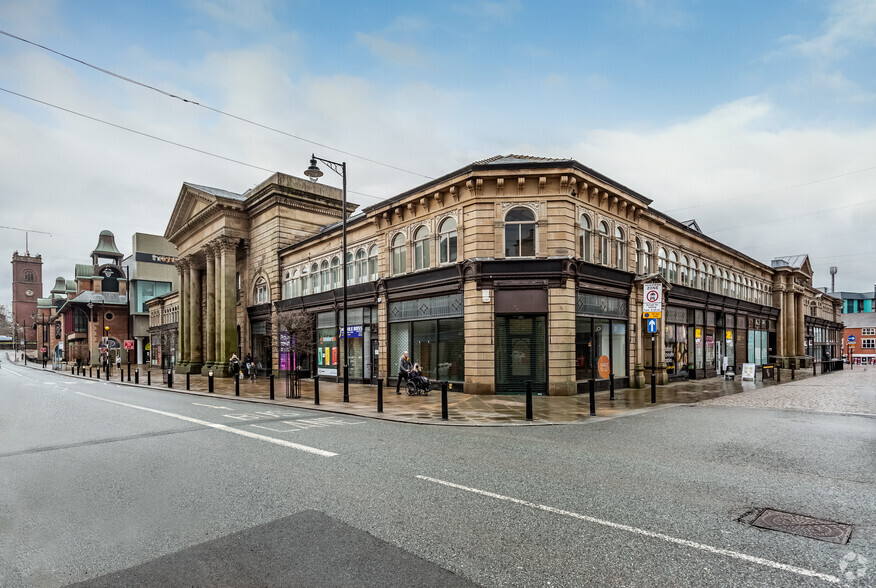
[(500, 410)]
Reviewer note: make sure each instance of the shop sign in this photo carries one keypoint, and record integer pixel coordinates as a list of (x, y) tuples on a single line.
[(748, 371), (728, 335), (604, 366), (353, 331)]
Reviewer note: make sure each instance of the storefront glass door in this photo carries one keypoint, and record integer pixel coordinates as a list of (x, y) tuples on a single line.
[(521, 354)]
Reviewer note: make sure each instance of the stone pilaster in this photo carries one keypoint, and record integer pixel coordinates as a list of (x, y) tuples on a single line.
[(220, 361), (228, 294), (561, 358), (790, 313), (182, 266), (800, 341), (210, 327)]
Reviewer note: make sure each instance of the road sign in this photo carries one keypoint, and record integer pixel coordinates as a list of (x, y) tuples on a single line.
[(129, 344), (650, 315), (652, 300), (652, 325), (851, 338)]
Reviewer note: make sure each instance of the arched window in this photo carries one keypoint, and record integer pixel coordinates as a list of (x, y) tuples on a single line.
[(647, 264), (447, 241), (604, 246), (739, 292), (336, 272), (28, 276), (304, 282), (372, 263), (421, 249), (692, 273), (287, 284), (324, 276), (296, 284), (703, 277), (261, 291), (683, 269), (620, 248), (731, 284), (725, 287), (361, 267), (398, 253), (314, 279), (520, 233), (673, 267), (712, 279), (351, 272), (661, 263), (239, 286), (585, 239), (639, 255)]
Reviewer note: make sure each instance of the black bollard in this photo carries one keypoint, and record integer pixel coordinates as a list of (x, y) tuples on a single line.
[(129, 371), (793, 366), (443, 401), (210, 382), (148, 377), (170, 378), (188, 381), (316, 389), (611, 380), (137, 376), (380, 395), (90, 372), (271, 385), (73, 371), (237, 384), (121, 375), (778, 374), (593, 397), (813, 367), (528, 400)]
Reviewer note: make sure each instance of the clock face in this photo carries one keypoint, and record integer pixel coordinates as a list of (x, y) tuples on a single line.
[(28, 292)]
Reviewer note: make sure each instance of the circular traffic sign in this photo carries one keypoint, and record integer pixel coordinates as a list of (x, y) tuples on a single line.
[(851, 338), (653, 296)]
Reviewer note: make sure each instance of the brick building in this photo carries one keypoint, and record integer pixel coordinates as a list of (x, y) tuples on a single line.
[(27, 288), (861, 326)]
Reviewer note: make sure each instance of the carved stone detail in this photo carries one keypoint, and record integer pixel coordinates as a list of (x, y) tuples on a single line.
[(521, 186), (500, 186), (542, 183)]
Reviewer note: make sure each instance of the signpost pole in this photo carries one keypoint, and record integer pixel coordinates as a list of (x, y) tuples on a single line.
[(653, 372)]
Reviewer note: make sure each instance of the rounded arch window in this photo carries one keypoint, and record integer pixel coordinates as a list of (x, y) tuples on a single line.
[(314, 278), (287, 284), (372, 263), (673, 267), (620, 248), (305, 281), (661, 263), (682, 268), (29, 276), (324, 276), (421, 248), (447, 241), (603, 243), (336, 272), (361, 266), (351, 274), (520, 232), (398, 253), (261, 291), (585, 238)]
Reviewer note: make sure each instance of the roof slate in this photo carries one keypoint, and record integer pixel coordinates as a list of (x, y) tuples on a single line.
[(856, 320), (793, 261), (217, 192)]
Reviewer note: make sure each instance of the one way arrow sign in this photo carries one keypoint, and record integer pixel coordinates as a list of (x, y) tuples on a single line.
[(652, 325)]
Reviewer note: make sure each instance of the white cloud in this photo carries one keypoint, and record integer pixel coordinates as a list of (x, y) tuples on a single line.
[(389, 51), (851, 24), (243, 14)]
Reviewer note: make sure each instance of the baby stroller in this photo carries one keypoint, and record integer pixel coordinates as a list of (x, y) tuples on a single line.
[(418, 383)]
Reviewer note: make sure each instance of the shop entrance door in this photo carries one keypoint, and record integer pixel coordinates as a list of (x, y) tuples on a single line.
[(521, 353)]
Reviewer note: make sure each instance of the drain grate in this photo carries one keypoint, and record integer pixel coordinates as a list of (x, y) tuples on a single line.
[(795, 524)]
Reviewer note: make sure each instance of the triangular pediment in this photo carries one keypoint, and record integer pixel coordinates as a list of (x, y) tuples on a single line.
[(194, 200)]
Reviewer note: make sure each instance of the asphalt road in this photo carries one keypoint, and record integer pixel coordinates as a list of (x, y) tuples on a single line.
[(112, 486)]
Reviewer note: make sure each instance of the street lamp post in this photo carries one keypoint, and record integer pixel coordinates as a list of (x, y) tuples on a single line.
[(314, 173)]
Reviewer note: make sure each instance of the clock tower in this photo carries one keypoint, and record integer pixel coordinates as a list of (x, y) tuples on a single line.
[(27, 287)]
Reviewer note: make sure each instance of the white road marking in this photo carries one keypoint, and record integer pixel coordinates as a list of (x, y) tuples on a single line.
[(212, 406), (304, 424), (643, 532), (8, 371), (225, 428)]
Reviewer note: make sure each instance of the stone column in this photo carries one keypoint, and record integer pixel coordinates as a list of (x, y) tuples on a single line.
[(210, 351), (195, 317), (228, 294), (790, 313), (800, 329), (780, 326), (219, 359), (185, 357)]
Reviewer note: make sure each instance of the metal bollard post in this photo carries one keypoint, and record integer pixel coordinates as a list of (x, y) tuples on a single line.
[(443, 401), (593, 397), (210, 381), (778, 373), (793, 366), (272, 385), (129, 371), (611, 380), (528, 400), (121, 375), (188, 381), (90, 372), (237, 384), (380, 395), (148, 377), (813, 367), (316, 389), (73, 371), (137, 375), (107, 370), (170, 378)]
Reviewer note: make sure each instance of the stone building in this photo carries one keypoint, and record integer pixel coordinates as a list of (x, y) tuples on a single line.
[(164, 330), (511, 269)]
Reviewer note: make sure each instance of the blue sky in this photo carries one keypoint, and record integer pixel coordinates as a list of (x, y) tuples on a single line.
[(757, 118)]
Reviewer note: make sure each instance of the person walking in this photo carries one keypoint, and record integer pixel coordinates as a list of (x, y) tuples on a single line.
[(404, 369), (250, 367), (234, 364)]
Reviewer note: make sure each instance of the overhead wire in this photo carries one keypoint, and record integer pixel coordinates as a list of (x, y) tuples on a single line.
[(212, 109), (157, 138)]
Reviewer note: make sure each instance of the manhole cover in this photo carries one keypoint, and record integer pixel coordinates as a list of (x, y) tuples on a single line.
[(795, 524)]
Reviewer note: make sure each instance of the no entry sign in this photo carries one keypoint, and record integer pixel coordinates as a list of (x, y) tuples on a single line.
[(652, 300)]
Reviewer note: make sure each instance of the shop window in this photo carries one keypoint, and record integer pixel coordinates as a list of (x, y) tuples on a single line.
[(620, 248), (336, 272), (421, 249), (447, 241), (324, 276), (585, 239), (261, 291), (603, 243), (361, 267), (661, 263), (372, 263), (520, 233), (398, 252)]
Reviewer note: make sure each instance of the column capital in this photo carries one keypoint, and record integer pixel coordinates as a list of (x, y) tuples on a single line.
[(182, 264), (209, 250), (223, 244)]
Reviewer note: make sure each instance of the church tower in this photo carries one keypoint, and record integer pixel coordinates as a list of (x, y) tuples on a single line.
[(27, 287)]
